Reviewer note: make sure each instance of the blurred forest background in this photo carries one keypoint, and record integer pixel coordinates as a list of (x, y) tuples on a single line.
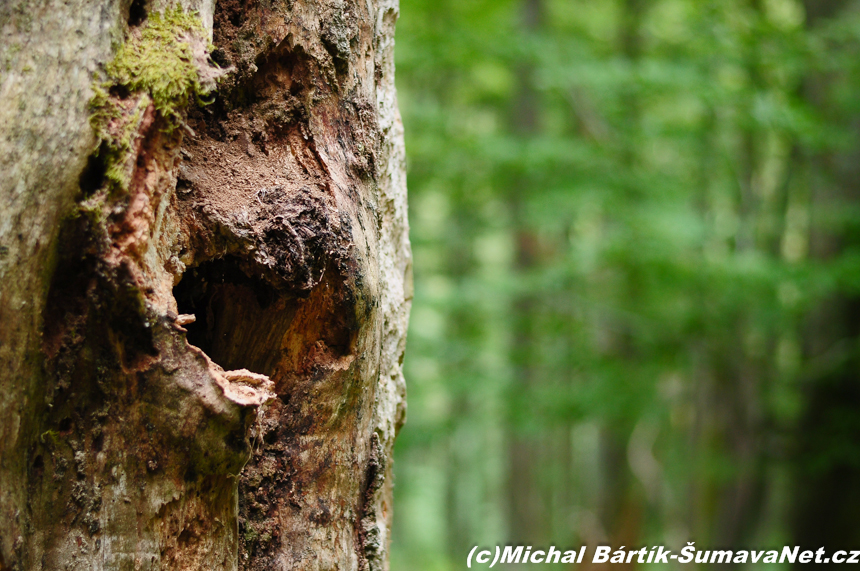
[(636, 229)]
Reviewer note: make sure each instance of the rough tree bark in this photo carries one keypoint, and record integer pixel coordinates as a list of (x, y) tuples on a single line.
[(204, 283)]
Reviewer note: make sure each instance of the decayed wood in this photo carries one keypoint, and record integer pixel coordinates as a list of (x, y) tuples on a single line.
[(203, 295)]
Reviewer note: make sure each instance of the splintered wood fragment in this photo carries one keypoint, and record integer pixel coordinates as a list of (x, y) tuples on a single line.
[(185, 319), (244, 387), (246, 376)]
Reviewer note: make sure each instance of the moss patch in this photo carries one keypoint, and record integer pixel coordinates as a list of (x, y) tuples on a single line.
[(165, 64), (117, 123), (167, 59)]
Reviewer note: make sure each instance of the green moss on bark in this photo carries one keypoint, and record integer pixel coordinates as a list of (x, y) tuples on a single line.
[(168, 60), (165, 64), (117, 123)]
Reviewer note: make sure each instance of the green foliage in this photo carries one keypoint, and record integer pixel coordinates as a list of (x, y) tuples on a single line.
[(625, 219)]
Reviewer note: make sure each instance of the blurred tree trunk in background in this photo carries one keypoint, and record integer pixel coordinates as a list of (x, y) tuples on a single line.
[(204, 284), (827, 469), (622, 500), (526, 449), (735, 412), (461, 454)]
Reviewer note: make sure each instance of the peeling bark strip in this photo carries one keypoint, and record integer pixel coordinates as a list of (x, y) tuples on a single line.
[(205, 279)]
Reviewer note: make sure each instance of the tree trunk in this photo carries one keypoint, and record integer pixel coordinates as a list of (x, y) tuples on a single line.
[(826, 472), (205, 280), (526, 507)]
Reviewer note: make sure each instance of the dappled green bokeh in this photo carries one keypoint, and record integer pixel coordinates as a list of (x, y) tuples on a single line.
[(636, 230)]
